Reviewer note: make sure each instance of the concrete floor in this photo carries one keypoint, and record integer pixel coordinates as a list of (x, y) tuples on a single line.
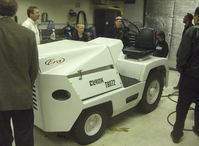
[(134, 129)]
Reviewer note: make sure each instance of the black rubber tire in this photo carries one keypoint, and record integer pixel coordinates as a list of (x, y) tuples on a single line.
[(78, 131), (144, 106)]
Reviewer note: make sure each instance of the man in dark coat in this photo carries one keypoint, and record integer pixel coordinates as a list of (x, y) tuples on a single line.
[(187, 20), (118, 31), (18, 71), (188, 66)]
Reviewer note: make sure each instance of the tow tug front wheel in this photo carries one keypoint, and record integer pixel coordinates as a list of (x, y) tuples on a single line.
[(152, 92), (90, 126)]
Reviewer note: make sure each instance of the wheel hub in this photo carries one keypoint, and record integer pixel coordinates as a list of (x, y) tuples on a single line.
[(93, 124), (153, 92)]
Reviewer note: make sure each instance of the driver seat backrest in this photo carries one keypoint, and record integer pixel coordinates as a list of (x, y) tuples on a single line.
[(144, 44)]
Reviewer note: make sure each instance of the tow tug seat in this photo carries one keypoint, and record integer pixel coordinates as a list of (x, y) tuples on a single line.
[(144, 44)]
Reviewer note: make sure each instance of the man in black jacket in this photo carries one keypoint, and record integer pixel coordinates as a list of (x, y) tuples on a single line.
[(18, 71), (187, 20), (188, 66), (118, 31)]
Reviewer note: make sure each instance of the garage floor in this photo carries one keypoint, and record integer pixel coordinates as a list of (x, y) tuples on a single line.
[(134, 129)]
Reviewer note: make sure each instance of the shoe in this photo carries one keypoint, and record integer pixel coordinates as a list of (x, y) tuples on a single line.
[(176, 137), (195, 130)]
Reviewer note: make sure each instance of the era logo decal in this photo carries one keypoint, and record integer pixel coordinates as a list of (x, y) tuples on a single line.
[(54, 61)]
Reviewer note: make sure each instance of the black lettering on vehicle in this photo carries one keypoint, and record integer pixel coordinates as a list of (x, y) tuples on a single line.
[(96, 82), (110, 83)]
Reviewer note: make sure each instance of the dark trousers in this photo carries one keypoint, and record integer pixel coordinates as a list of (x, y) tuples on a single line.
[(188, 93), (22, 125)]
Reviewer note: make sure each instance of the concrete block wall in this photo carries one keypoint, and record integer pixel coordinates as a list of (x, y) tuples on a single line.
[(167, 15)]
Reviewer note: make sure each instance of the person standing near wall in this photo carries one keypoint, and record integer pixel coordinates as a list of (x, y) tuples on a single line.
[(18, 71), (187, 20), (30, 23), (188, 66)]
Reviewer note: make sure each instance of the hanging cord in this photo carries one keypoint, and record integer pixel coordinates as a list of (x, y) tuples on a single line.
[(89, 31), (84, 18), (175, 93), (137, 28), (44, 17)]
